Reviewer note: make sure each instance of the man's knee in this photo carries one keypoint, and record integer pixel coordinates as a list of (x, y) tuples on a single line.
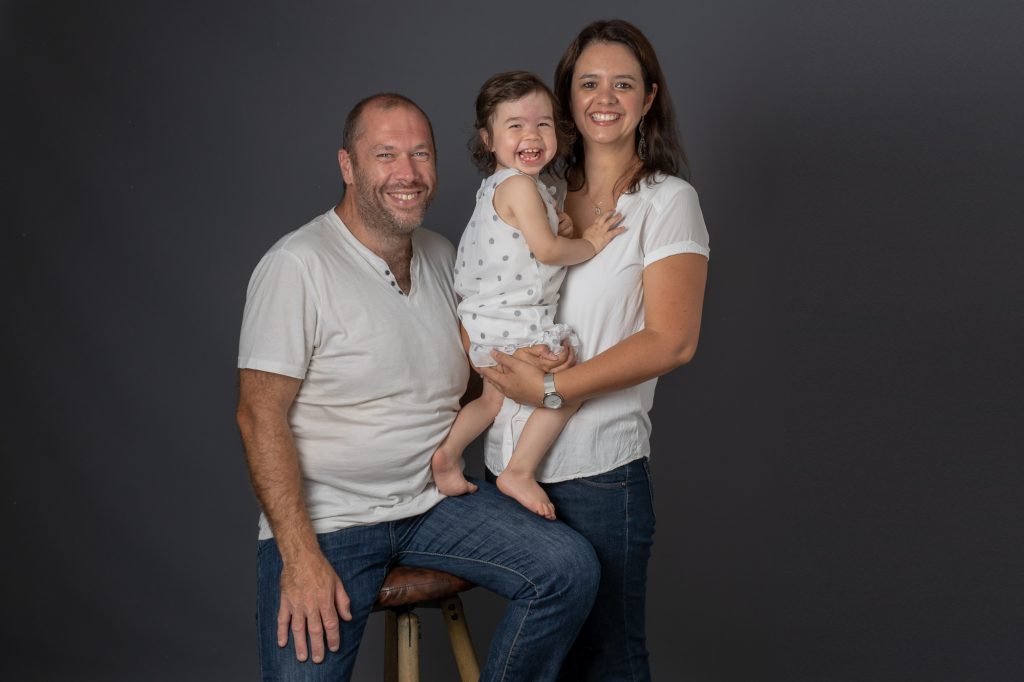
[(575, 569)]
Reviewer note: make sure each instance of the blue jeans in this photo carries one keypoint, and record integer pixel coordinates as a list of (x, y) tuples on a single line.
[(615, 512), (548, 573)]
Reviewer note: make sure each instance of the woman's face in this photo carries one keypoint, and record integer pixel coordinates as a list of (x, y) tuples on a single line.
[(608, 96)]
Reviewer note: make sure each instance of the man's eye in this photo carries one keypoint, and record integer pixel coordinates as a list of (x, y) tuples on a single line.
[(421, 155), (385, 155)]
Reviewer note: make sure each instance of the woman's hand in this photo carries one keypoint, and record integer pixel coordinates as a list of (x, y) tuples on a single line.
[(517, 379), (541, 357)]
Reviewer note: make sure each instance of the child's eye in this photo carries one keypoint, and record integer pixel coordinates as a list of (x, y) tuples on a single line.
[(545, 124), (514, 125)]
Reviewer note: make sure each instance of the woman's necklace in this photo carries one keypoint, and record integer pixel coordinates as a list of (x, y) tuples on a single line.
[(597, 204)]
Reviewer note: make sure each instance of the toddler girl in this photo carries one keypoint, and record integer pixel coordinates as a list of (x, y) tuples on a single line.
[(508, 268)]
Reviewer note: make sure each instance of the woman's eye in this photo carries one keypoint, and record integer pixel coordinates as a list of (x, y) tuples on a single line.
[(588, 85), (624, 86)]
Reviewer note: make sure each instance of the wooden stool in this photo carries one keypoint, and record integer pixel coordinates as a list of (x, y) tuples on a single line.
[(406, 588)]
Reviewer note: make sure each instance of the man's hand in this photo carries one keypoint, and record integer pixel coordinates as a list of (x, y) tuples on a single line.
[(312, 597)]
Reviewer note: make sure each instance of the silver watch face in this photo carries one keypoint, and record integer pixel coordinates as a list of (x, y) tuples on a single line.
[(552, 401)]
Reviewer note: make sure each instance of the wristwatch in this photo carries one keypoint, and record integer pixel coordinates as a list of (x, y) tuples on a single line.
[(552, 398)]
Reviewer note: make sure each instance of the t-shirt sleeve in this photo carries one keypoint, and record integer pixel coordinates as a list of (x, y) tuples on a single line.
[(675, 224), (279, 325)]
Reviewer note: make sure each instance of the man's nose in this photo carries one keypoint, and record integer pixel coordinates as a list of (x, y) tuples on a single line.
[(404, 168)]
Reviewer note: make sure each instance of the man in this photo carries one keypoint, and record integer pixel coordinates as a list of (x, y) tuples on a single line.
[(351, 369)]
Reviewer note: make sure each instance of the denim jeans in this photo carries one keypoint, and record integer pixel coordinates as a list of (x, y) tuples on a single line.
[(547, 571), (615, 512)]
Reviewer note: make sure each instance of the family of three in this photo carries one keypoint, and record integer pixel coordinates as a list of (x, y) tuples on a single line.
[(578, 281)]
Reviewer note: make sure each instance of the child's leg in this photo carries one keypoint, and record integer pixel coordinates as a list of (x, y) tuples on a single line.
[(471, 421), (518, 480)]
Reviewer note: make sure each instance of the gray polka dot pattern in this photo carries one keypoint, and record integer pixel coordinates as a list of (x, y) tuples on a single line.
[(499, 280)]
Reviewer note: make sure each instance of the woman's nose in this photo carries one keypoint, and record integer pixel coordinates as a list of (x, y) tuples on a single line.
[(606, 93)]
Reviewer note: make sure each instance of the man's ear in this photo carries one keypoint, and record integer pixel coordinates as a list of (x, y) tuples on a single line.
[(345, 163)]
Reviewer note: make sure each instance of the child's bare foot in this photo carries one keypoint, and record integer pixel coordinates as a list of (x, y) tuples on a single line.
[(527, 492), (448, 475)]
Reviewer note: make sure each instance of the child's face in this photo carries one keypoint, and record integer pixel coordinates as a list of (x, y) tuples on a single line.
[(522, 133)]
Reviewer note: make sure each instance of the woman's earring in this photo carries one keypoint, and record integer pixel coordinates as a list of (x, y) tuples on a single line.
[(641, 147)]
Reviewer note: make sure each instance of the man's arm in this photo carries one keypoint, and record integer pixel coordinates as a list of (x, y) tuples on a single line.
[(312, 595)]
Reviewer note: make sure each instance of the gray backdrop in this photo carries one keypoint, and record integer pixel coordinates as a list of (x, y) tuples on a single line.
[(837, 472)]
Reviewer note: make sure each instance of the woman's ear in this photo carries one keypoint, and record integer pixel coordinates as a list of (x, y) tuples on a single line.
[(649, 99)]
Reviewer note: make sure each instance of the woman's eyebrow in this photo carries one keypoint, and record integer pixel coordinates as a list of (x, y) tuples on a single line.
[(624, 76)]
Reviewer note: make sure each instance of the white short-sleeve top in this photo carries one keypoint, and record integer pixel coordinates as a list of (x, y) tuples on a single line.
[(602, 299), (382, 372)]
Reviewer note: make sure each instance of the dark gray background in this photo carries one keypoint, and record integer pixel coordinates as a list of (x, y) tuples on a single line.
[(837, 472)]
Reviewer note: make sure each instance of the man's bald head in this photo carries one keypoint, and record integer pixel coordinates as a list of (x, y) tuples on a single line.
[(384, 101)]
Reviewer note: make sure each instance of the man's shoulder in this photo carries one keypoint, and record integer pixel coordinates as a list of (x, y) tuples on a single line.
[(433, 244), (308, 240)]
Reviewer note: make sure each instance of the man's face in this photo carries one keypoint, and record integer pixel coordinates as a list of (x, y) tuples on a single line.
[(391, 169)]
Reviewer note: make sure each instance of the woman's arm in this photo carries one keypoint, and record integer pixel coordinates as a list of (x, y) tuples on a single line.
[(520, 205), (673, 301)]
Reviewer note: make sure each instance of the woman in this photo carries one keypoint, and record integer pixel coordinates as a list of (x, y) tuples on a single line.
[(636, 307)]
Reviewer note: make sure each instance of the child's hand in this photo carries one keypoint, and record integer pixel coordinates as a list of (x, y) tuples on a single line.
[(604, 229), (565, 226)]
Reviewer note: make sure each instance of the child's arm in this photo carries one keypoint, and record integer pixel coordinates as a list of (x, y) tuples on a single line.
[(565, 226), (520, 205)]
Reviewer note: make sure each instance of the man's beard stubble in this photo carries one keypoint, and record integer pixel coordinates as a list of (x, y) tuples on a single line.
[(377, 216)]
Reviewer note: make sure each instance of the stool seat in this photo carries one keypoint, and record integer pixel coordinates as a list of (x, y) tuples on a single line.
[(406, 585), (407, 588)]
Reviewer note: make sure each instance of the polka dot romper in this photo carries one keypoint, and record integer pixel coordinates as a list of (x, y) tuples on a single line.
[(508, 297)]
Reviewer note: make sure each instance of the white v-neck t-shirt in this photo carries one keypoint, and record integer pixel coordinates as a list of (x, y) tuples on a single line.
[(382, 372), (602, 300)]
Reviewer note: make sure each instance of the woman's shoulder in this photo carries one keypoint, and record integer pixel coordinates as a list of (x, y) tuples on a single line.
[(661, 183), (661, 190)]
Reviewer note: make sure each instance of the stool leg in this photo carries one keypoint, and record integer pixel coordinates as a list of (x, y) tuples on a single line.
[(458, 633), (390, 646), (408, 647)]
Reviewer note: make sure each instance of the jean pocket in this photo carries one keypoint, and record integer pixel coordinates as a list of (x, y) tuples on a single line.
[(610, 480)]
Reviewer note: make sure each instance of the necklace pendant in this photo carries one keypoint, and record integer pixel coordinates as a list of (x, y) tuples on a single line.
[(597, 210)]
